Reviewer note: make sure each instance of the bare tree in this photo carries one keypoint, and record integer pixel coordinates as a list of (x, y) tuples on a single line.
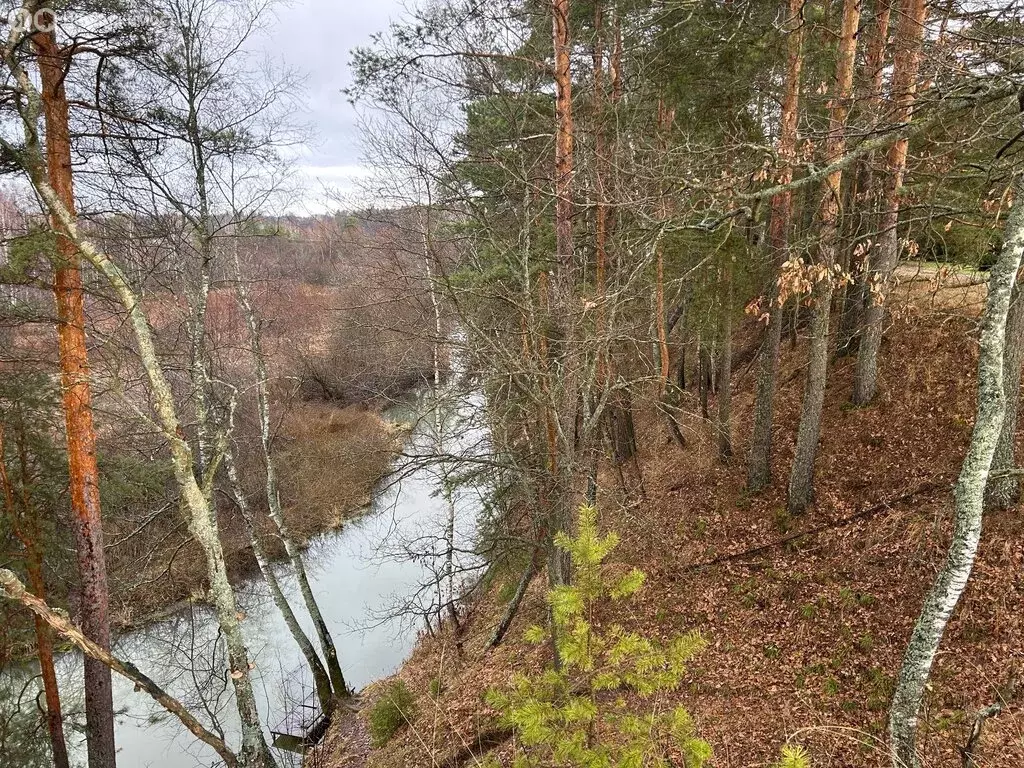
[(968, 497), (273, 492), (194, 490)]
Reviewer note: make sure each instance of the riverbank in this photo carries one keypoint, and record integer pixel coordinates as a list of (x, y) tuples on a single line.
[(331, 459), (806, 618)]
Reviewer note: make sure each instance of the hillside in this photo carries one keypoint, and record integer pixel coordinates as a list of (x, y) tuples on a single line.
[(807, 618)]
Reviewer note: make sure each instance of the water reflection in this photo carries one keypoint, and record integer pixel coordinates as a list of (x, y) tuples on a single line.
[(374, 580)]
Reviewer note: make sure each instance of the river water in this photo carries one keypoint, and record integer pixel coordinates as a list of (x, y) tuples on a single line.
[(362, 576)]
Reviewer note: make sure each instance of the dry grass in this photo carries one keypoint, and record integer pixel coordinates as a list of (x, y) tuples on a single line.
[(330, 460)]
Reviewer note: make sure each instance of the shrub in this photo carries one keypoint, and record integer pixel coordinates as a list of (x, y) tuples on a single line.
[(556, 713), (577, 714), (392, 711)]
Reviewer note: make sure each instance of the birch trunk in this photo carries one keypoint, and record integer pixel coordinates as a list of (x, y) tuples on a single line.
[(907, 62), (76, 395), (274, 494), (1004, 492), (801, 479), (200, 517), (968, 498), (759, 458), (321, 680)]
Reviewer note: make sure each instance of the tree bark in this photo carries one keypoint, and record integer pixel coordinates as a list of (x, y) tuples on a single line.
[(968, 498), (759, 458), (14, 590), (447, 586), (76, 395), (514, 603), (855, 294), (274, 494), (725, 367), (26, 529), (907, 62), (801, 479), (321, 680), (563, 305), (200, 516), (1004, 492)]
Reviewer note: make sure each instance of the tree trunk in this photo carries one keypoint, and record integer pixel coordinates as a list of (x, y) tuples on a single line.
[(447, 587), (563, 306), (855, 294), (725, 367), (514, 603), (14, 590), (968, 497), (26, 529), (1004, 492), (321, 680), (881, 266), (274, 494), (200, 517), (801, 480), (704, 379), (76, 394), (759, 458)]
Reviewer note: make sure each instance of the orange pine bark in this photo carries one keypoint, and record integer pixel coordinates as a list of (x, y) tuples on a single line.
[(26, 529), (77, 404)]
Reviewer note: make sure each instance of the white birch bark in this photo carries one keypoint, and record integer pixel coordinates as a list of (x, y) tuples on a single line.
[(321, 680), (200, 517), (447, 590), (968, 496), (274, 507)]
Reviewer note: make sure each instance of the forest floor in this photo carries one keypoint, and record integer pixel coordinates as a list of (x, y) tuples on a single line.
[(806, 618)]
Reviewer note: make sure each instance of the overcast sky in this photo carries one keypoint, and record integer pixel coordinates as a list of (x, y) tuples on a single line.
[(316, 37)]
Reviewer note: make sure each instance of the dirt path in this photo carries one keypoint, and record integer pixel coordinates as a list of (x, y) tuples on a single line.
[(948, 274), (348, 742)]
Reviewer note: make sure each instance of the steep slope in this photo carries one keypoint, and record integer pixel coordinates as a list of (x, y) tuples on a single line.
[(806, 618)]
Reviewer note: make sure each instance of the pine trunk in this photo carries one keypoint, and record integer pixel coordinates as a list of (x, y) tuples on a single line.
[(563, 306), (856, 293), (25, 524), (883, 263), (76, 395), (759, 458), (801, 480)]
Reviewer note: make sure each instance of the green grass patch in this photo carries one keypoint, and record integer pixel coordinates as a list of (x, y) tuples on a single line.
[(394, 710)]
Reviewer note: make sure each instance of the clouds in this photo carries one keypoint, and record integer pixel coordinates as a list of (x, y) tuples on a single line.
[(315, 37)]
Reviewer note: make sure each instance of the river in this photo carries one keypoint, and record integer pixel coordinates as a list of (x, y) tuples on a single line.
[(386, 558)]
